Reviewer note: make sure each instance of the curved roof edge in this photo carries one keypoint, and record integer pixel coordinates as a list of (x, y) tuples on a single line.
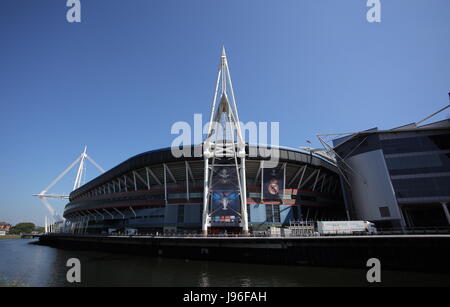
[(164, 155)]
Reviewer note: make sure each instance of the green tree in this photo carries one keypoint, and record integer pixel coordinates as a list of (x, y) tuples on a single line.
[(39, 229), (22, 228)]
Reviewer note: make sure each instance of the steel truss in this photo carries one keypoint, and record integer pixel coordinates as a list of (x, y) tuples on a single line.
[(44, 195), (343, 167), (228, 145)]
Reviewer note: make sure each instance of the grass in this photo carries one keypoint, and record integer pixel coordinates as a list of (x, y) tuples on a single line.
[(10, 237)]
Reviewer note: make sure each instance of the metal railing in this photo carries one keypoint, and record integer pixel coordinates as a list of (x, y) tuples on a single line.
[(292, 234), (295, 229)]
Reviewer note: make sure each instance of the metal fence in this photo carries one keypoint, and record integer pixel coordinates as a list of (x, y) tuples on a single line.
[(295, 229)]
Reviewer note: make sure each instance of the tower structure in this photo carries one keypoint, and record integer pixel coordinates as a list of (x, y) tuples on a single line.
[(224, 151), (44, 195)]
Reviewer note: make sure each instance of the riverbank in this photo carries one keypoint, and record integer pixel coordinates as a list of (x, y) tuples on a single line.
[(10, 237)]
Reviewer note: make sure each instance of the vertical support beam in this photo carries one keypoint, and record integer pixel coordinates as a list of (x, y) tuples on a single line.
[(300, 169), (95, 218), (402, 218), (330, 185), (323, 182), (301, 178), (262, 181), (244, 198), (112, 216), (148, 178), (123, 216), (79, 176), (87, 224), (103, 217), (153, 176), (447, 214), (165, 184), (284, 179), (205, 198), (133, 211), (134, 178), (315, 182), (170, 174), (258, 173), (409, 222), (187, 179)]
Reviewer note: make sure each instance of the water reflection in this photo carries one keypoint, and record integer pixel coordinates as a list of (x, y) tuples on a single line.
[(34, 265)]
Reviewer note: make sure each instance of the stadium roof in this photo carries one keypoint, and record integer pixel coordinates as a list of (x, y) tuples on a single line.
[(164, 155)]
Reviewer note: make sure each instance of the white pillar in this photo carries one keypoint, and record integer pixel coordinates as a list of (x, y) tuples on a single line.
[(165, 184), (244, 199), (205, 199), (187, 180)]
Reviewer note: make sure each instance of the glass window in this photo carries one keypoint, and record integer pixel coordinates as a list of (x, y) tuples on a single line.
[(422, 187), (269, 214), (180, 215), (276, 214), (416, 143), (419, 164)]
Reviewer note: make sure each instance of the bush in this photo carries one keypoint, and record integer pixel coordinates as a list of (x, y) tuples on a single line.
[(22, 228)]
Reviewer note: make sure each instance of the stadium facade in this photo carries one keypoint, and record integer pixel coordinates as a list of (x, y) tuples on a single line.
[(398, 178), (156, 192)]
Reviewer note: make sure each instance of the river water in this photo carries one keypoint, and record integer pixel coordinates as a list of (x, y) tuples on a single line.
[(25, 264)]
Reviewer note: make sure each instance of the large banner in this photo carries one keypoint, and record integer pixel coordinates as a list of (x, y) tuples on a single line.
[(225, 200), (273, 183)]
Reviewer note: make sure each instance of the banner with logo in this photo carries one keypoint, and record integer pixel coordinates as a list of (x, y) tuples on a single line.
[(225, 199), (273, 183)]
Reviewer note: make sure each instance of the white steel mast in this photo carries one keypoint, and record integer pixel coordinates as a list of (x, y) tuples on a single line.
[(217, 146), (43, 196)]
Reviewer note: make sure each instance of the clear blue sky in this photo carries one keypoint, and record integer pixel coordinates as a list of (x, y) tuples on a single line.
[(121, 78)]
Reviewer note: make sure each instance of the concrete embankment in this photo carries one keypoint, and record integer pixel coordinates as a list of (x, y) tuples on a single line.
[(429, 253)]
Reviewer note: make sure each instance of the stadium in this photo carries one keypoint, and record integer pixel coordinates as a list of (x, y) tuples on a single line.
[(155, 192), (227, 189)]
